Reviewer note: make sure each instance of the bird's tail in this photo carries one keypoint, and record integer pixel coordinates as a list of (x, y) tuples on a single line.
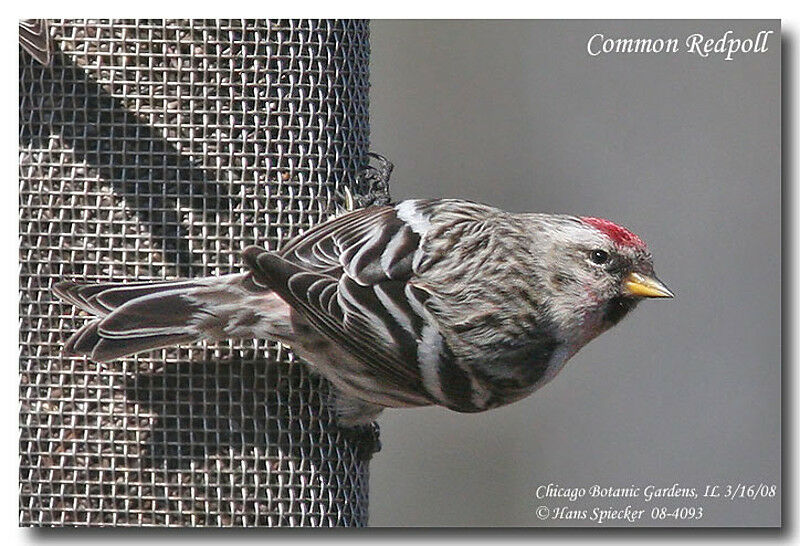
[(135, 317), (34, 37)]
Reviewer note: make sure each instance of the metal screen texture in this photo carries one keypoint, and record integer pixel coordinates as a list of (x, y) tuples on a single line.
[(161, 149)]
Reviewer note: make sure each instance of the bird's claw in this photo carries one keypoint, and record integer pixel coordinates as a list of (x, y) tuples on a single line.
[(371, 185), (367, 440)]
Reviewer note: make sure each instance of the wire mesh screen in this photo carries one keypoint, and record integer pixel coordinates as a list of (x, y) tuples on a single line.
[(161, 149)]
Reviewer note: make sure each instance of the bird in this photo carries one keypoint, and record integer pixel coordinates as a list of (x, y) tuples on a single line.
[(34, 37), (426, 302)]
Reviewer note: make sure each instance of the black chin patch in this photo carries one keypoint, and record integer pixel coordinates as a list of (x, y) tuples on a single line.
[(617, 308)]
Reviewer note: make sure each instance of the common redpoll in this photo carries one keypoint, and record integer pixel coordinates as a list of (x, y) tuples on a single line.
[(427, 302)]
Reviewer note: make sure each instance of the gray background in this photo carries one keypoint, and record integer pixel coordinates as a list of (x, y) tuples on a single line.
[(686, 152)]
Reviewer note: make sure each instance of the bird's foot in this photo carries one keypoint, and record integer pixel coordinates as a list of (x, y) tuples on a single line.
[(365, 438), (371, 185)]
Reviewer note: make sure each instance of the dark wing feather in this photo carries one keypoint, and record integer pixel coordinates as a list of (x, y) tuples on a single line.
[(370, 245), (350, 278)]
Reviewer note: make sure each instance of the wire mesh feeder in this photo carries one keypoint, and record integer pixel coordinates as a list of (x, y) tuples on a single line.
[(160, 149)]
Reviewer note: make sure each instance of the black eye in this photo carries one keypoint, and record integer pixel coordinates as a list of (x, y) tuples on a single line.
[(599, 256)]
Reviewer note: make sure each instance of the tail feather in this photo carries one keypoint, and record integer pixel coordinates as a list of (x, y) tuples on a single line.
[(84, 340), (103, 298), (159, 313), (34, 37), (136, 317)]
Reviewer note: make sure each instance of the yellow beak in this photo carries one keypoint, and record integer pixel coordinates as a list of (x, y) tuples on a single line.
[(643, 286)]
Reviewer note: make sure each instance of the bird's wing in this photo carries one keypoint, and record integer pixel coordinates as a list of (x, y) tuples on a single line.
[(352, 278), (369, 245)]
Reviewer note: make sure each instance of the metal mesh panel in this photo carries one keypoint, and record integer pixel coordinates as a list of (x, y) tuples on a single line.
[(160, 149)]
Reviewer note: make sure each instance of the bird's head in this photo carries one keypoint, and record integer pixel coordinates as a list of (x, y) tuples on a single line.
[(597, 272)]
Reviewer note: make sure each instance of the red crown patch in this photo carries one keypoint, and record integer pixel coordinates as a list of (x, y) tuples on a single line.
[(616, 233)]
